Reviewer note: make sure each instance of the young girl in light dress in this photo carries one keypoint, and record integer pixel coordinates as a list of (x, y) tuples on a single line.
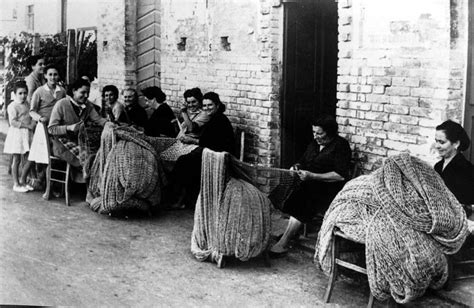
[(19, 135)]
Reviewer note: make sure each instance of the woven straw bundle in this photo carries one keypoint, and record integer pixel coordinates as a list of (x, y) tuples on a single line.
[(408, 220)]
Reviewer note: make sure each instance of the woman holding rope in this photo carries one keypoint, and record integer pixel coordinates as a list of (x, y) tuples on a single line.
[(323, 170)]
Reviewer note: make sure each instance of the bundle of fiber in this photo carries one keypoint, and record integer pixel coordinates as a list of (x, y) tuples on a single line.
[(176, 150), (232, 217), (408, 220), (89, 141), (127, 172)]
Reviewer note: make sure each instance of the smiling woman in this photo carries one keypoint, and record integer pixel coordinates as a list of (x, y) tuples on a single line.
[(194, 118), (70, 115), (457, 172), (217, 135)]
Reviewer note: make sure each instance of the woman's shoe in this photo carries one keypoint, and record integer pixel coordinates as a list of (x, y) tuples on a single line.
[(29, 187), (19, 188), (177, 206)]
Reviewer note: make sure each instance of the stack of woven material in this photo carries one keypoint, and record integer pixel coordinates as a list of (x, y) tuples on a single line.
[(408, 220), (127, 172), (232, 217)]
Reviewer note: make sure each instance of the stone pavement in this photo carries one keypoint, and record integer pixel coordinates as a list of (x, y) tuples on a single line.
[(51, 254)]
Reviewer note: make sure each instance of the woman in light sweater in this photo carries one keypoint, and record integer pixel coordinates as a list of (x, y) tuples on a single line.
[(68, 117)]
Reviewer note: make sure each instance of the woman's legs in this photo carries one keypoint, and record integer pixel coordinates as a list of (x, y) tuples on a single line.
[(15, 164), (185, 178), (292, 229), (179, 204), (24, 172)]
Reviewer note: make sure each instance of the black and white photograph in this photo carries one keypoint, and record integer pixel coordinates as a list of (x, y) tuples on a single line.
[(237, 153)]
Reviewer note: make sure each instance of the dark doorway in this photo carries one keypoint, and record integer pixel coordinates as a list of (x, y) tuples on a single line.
[(309, 72), (469, 109)]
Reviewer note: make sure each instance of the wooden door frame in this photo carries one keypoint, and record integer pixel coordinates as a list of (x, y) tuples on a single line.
[(469, 85), (284, 86)]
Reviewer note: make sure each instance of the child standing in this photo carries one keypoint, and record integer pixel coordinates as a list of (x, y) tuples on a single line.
[(19, 135)]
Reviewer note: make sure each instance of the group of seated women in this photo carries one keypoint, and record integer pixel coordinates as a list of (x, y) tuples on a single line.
[(324, 166), (324, 169), (201, 123)]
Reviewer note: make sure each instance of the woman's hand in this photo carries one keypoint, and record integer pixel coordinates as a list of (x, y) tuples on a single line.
[(304, 175), (187, 139), (74, 127), (43, 120), (295, 167)]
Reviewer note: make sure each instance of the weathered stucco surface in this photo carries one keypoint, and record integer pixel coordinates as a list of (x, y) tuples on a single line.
[(401, 72)]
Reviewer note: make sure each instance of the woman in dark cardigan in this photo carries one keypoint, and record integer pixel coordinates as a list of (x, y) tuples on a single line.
[(323, 170), (455, 170), (160, 122), (217, 135)]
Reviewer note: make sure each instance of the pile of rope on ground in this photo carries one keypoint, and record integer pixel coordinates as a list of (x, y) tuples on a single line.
[(127, 172), (408, 220), (232, 217)]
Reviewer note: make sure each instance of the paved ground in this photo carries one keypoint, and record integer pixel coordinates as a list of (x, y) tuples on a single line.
[(51, 254)]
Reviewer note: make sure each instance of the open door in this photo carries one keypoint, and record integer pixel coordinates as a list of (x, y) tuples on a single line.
[(469, 108), (309, 71)]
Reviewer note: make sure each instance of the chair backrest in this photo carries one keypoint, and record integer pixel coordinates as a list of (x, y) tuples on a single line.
[(48, 141), (355, 168), (239, 143), (177, 125)]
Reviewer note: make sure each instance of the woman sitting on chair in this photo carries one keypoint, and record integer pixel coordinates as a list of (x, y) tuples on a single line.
[(160, 122), (217, 135), (193, 116), (70, 115), (323, 170), (457, 172), (111, 108)]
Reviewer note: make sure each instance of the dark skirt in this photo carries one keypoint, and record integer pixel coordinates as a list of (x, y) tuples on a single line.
[(187, 174), (310, 199)]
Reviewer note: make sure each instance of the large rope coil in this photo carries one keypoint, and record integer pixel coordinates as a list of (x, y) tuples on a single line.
[(232, 217), (127, 172), (408, 220)]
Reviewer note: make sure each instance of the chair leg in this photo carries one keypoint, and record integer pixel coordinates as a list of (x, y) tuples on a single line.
[(47, 193), (448, 286), (333, 275), (266, 258), (66, 184), (371, 300), (305, 230)]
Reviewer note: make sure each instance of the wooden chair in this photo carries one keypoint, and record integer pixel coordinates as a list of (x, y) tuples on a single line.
[(58, 171), (464, 257), (336, 261), (240, 142)]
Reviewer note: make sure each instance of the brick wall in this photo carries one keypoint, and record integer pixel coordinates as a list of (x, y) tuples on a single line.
[(390, 97), (245, 71), (116, 43)]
